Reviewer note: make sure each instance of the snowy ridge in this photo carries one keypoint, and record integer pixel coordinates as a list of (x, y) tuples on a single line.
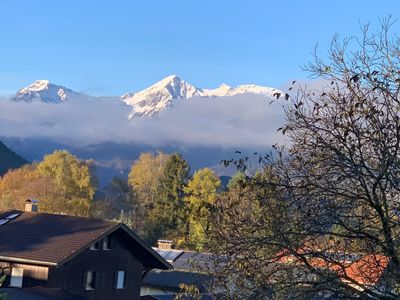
[(148, 102), (220, 91), (44, 91), (159, 96), (164, 93)]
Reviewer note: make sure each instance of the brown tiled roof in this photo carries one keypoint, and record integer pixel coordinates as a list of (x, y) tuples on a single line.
[(48, 237), (52, 239)]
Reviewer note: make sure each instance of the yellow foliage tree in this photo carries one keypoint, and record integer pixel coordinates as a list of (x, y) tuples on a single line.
[(16, 186), (144, 181), (73, 180), (201, 194), (61, 182), (20, 184)]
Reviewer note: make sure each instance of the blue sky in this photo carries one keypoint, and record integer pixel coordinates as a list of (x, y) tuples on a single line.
[(112, 47)]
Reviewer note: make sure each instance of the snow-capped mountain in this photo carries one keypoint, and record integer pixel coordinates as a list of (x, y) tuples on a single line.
[(44, 91), (164, 93), (148, 102), (159, 96)]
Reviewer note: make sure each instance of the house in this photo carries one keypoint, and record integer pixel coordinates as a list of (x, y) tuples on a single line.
[(191, 269), (82, 257)]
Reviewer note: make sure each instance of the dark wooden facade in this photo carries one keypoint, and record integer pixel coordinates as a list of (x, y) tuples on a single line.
[(70, 276), (34, 275)]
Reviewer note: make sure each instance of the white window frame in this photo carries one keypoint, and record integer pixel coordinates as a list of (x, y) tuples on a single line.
[(120, 284), (106, 243), (17, 277), (90, 276), (93, 246)]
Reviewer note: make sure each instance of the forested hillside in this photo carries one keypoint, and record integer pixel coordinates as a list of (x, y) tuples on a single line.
[(9, 159)]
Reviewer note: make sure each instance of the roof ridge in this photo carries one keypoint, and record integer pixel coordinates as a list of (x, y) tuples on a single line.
[(59, 215), (57, 238)]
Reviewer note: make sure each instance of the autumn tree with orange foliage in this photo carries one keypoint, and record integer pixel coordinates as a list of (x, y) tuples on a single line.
[(61, 182)]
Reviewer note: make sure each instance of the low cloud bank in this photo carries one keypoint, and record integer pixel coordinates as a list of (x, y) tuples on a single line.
[(237, 121)]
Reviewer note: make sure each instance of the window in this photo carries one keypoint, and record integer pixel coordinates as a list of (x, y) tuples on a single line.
[(120, 283), (95, 246), (107, 243), (90, 280), (17, 274)]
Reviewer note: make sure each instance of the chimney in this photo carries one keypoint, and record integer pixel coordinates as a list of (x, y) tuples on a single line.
[(164, 244), (31, 205)]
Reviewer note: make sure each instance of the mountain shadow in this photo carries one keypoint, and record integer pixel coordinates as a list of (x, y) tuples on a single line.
[(9, 159)]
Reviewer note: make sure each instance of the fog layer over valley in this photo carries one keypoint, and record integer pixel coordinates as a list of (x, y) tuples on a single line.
[(205, 130)]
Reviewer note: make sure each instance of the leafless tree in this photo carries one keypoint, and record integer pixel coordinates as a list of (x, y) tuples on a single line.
[(331, 225)]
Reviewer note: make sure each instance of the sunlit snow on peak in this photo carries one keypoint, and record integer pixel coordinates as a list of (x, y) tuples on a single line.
[(43, 91), (162, 94)]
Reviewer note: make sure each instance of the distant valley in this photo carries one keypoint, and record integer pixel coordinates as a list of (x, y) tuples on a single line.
[(114, 159)]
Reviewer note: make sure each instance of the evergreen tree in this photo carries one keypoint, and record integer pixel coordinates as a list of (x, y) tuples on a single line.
[(169, 209)]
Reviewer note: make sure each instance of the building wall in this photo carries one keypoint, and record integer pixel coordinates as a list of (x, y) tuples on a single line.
[(149, 291), (33, 275), (106, 263)]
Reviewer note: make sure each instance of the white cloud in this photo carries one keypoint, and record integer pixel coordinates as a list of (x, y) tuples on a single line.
[(238, 121)]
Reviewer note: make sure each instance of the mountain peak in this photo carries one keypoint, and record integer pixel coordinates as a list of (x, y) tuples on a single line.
[(43, 91), (167, 80), (42, 81), (159, 96), (38, 85), (224, 86), (171, 78), (165, 92), (220, 91), (253, 89)]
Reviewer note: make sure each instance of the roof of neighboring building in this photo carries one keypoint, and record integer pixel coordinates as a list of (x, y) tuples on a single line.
[(173, 296), (51, 239), (39, 293), (188, 260), (171, 280), (366, 269), (194, 261), (190, 268), (155, 297)]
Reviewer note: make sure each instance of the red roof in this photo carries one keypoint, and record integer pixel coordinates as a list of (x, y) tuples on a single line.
[(366, 270)]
